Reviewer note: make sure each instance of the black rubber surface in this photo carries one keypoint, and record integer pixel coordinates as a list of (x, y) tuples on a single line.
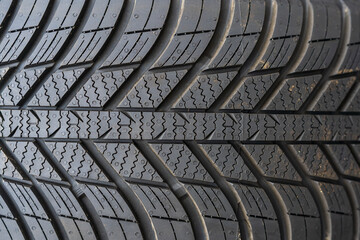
[(179, 119)]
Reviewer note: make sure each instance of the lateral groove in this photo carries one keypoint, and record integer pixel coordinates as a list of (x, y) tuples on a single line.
[(67, 46), (142, 216), (171, 25), (296, 58), (179, 190), (228, 190), (326, 228), (86, 204), (335, 64), (255, 56), (274, 196), (221, 31), (109, 45)]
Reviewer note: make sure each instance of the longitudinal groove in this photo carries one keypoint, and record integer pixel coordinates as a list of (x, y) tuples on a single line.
[(86, 204), (36, 188), (347, 186), (326, 228), (167, 33), (62, 53), (274, 196), (254, 58), (295, 60), (335, 64), (107, 48), (31, 45), (227, 9), (145, 224), (16, 211), (228, 190), (179, 190)]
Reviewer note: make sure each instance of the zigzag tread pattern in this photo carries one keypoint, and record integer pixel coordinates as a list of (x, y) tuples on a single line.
[(231, 119)]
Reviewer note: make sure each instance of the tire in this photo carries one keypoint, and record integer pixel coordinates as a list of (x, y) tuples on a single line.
[(183, 119)]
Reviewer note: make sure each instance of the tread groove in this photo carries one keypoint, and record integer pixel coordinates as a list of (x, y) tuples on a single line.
[(326, 230), (36, 188), (109, 45), (335, 64), (221, 31), (15, 209), (297, 56), (31, 45), (68, 44), (171, 25), (179, 190), (145, 223), (348, 188), (274, 196), (86, 204), (255, 56), (225, 187)]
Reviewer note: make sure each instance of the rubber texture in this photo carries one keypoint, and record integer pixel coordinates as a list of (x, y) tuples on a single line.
[(179, 119)]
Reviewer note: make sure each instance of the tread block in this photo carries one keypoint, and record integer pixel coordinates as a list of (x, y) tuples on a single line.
[(272, 161), (216, 210), (204, 91), (32, 159), (286, 35), (251, 91), (293, 93), (55, 88), (315, 161), (99, 88), (345, 160), (229, 161), (181, 161), (76, 160), (35, 215), (70, 212), (165, 210), (113, 211), (152, 89), (334, 94), (127, 160)]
